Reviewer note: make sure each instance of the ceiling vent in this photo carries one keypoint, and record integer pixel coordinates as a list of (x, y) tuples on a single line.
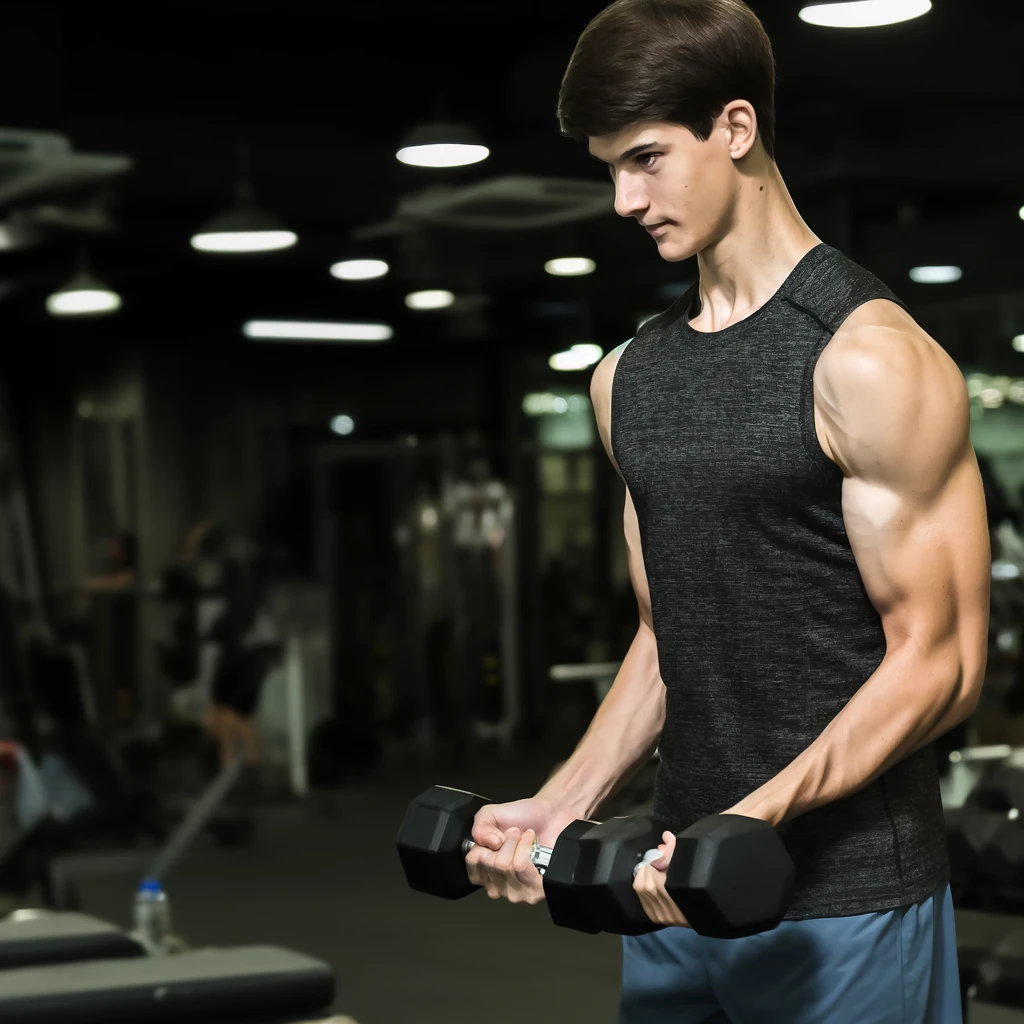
[(502, 204), (34, 164)]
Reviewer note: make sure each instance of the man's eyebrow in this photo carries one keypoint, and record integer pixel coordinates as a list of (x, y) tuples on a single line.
[(630, 153)]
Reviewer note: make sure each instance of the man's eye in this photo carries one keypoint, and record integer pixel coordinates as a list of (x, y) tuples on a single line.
[(645, 160)]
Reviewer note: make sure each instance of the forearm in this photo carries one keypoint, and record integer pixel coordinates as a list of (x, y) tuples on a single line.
[(908, 702), (621, 738)]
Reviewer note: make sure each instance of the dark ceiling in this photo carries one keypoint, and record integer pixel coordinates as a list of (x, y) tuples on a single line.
[(901, 145)]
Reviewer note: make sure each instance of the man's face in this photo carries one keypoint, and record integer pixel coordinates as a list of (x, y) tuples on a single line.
[(680, 189)]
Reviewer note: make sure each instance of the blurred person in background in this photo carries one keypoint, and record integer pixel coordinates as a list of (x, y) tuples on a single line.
[(121, 570), (230, 638), (809, 548)]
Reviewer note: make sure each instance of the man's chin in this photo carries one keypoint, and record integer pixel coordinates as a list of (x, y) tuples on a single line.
[(674, 252)]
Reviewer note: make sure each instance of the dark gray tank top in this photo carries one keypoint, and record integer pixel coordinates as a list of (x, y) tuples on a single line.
[(763, 625)]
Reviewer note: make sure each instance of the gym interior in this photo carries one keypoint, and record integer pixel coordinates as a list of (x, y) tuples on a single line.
[(300, 317)]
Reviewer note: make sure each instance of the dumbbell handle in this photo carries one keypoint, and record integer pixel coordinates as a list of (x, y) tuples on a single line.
[(540, 856)]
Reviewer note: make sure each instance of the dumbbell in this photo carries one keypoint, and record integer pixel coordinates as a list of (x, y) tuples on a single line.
[(730, 875), (435, 837)]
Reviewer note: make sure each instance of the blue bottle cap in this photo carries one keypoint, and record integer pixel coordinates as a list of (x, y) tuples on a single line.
[(151, 886)]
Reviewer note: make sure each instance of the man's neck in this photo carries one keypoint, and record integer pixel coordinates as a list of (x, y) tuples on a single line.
[(767, 238)]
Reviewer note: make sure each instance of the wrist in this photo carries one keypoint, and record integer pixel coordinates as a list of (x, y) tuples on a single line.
[(571, 792)]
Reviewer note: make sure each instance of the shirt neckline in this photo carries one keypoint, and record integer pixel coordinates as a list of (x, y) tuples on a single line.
[(810, 258)]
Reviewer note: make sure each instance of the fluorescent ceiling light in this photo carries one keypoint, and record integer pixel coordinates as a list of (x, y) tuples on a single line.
[(295, 330), (592, 353), (429, 300), (83, 301), (243, 241), (579, 357), (442, 145), (1018, 343), (243, 229), (446, 154), (936, 275), (81, 296), (864, 13), (359, 270), (343, 425), (568, 361), (570, 266)]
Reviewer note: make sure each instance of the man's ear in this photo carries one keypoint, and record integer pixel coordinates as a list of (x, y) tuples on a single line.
[(739, 122)]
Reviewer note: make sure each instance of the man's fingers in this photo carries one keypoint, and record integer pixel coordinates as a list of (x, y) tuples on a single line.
[(488, 836), (523, 868), (503, 858), (658, 905), (475, 867)]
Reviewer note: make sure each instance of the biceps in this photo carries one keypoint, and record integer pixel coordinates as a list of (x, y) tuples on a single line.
[(637, 570), (925, 561)]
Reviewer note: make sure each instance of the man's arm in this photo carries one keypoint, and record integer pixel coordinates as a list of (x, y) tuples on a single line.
[(625, 730), (894, 416)]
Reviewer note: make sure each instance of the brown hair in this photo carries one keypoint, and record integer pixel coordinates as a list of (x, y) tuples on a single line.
[(676, 61)]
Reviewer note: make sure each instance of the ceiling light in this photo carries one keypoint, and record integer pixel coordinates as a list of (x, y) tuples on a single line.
[(83, 295), (243, 229), (295, 330), (1018, 343), (429, 300), (1020, 213), (570, 266), (863, 13), (343, 425), (936, 275), (359, 270), (442, 145), (591, 353), (568, 361)]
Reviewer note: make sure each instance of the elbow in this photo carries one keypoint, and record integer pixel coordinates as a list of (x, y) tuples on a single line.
[(970, 681)]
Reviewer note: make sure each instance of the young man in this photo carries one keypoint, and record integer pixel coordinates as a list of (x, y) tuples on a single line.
[(808, 544)]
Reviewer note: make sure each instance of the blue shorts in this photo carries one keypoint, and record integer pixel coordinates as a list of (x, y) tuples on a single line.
[(896, 967)]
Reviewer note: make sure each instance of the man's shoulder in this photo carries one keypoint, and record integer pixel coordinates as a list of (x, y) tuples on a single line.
[(882, 376), (877, 340)]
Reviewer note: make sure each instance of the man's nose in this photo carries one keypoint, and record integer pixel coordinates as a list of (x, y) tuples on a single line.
[(630, 197)]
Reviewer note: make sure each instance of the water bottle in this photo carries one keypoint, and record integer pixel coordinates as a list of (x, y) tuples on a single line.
[(152, 916)]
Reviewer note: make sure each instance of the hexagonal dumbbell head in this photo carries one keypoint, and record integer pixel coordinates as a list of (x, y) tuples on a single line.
[(430, 841), (731, 876), (607, 858), (562, 893)]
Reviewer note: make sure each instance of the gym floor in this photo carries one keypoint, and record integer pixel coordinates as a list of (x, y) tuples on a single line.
[(323, 878)]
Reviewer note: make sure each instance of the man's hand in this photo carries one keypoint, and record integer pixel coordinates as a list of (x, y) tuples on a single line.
[(504, 835), (649, 885)]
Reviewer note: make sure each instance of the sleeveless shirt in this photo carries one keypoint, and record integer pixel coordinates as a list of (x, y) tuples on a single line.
[(764, 628)]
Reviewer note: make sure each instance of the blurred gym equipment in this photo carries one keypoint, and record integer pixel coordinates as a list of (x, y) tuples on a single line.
[(256, 984), (31, 938), (425, 629)]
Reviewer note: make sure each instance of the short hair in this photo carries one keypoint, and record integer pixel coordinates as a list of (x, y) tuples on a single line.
[(675, 61)]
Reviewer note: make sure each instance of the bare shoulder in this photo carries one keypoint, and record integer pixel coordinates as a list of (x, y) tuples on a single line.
[(604, 372), (601, 395), (882, 376)]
